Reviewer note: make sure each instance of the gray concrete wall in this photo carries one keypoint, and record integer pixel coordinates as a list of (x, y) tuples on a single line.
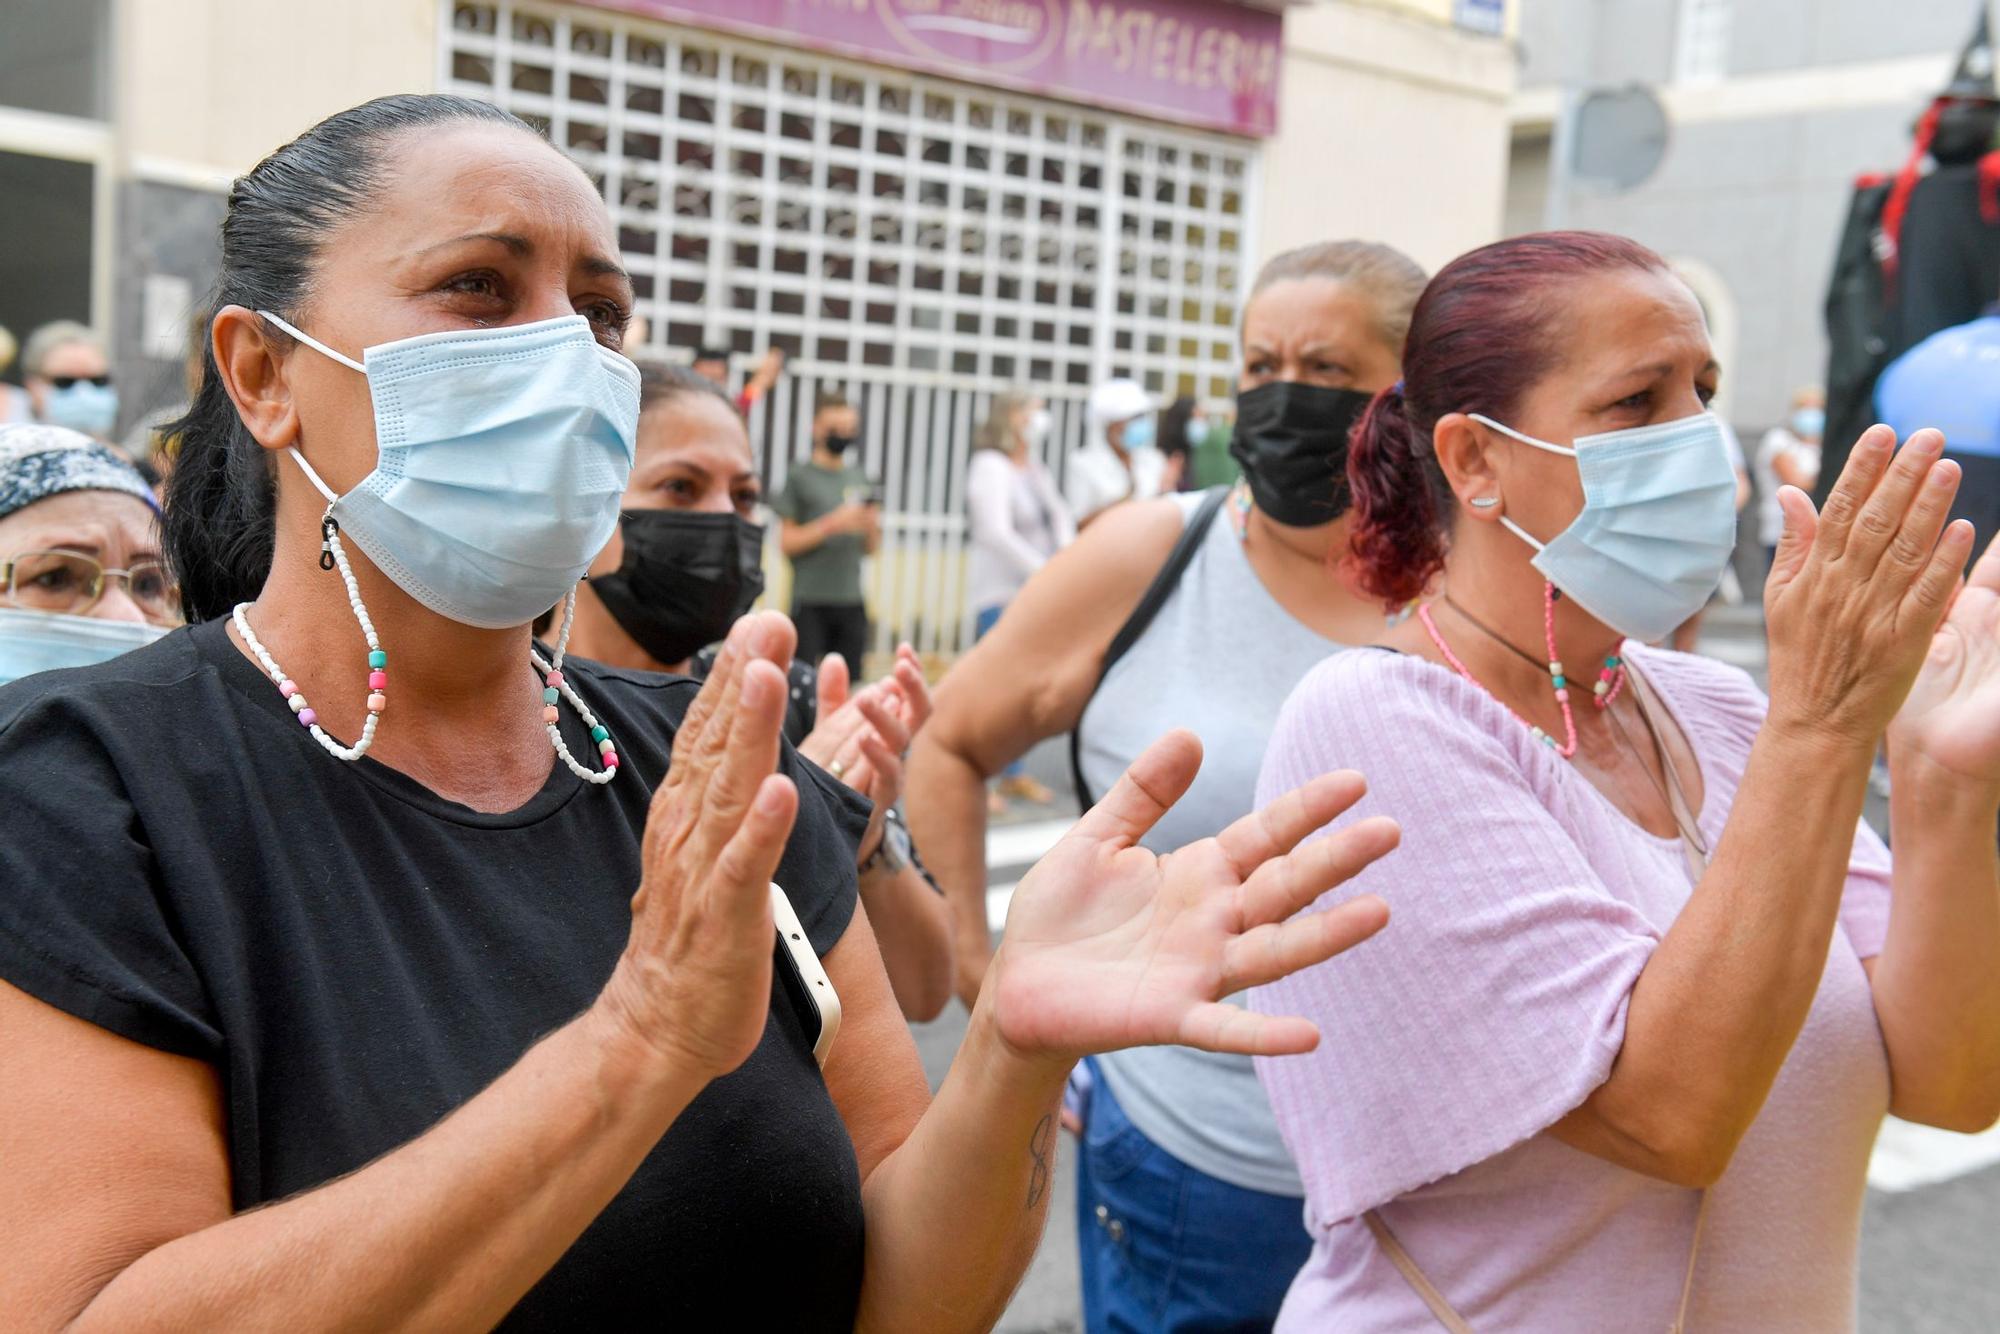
[(1761, 203), (1616, 41), (1758, 200), (162, 229)]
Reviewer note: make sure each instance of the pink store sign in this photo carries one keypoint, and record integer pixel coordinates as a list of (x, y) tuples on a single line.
[(1209, 63)]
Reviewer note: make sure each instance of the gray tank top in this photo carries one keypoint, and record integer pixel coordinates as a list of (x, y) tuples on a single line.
[(1218, 659)]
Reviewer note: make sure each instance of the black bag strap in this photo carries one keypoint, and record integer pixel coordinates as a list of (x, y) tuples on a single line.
[(1155, 597)]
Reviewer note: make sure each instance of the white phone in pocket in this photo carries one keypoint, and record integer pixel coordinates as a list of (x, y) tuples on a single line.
[(803, 978)]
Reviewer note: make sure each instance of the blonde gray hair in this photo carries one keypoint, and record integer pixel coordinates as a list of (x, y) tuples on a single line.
[(43, 342), (1390, 279), (996, 429)]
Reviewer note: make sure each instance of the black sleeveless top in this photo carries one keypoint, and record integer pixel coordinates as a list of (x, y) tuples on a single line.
[(181, 864)]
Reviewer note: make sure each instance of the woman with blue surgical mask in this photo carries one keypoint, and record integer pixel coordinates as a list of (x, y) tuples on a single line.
[(381, 966), (1120, 459), (80, 561), (68, 379), (1788, 455), (1652, 985)]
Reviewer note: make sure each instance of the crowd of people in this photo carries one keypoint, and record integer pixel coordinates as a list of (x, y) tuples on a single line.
[(573, 990)]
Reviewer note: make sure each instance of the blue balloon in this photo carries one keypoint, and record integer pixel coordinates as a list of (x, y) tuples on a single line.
[(1951, 381)]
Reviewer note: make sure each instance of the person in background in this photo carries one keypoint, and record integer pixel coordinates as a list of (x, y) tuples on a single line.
[(1648, 995), (712, 364), (1788, 455), (68, 379), (685, 563), (1120, 460), (1210, 463), (14, 406), (79, 553), (1951, 380), (830, 518), (1197, 611), (494, 1026), (1184, 429), (1018, 520)]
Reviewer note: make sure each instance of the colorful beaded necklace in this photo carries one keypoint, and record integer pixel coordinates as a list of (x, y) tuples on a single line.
[(1610, 678), (332, 555)]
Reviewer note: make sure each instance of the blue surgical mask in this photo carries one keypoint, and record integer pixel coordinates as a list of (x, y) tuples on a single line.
[(83, 406), (1196, 431), (41, 641), (1657, 527), (1809, 423), (501, 459), (1138, 433)]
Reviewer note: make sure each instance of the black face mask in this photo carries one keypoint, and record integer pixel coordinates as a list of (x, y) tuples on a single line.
[(837, 445), (685, 579), (1291, 440)]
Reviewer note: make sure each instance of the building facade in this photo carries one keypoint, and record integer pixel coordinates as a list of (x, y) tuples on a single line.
[(923, 201), (1774, 106)]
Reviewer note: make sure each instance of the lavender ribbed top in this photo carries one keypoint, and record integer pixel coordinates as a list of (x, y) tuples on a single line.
[(1524, 906)]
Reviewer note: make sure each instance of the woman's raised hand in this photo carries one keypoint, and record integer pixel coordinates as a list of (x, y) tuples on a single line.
[(1109, 945), (862, 738), (1857, 592), (695, 978), (1951, 718)]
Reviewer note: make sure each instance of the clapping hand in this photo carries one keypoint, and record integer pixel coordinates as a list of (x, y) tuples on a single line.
[(861, 738), (1109, 945), (1951, 717), (1857, 591), (694, 981)]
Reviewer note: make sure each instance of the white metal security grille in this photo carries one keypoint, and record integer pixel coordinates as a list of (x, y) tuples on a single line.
[(917, 243)]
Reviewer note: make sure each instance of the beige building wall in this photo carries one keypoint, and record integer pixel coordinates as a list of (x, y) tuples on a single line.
[(1393, 127), (207, 87)]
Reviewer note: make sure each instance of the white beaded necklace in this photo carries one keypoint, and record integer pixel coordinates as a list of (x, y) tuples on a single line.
[(333, 556)]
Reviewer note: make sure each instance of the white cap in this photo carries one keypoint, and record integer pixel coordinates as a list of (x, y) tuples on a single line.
[(1118, 400)]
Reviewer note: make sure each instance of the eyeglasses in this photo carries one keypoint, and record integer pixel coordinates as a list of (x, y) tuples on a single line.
[(73, 583), (65, 381)]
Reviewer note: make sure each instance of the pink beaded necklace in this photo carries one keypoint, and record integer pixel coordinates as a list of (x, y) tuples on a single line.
[(1610, 678)]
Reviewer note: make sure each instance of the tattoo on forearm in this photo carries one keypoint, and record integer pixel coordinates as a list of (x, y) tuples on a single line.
[(1039, 1142)]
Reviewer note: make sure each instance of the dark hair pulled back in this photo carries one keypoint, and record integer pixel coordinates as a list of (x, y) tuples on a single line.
[(662, 382), (218, 522), (1483, 332)]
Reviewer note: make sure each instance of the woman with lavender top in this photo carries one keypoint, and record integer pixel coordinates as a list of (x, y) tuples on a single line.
[(1652, 986)]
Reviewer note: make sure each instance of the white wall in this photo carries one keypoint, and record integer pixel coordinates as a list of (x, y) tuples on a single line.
[(1393, 127), (211, 86)]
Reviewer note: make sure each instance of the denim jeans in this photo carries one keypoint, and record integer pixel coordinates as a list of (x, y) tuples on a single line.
[(1166, 1249)]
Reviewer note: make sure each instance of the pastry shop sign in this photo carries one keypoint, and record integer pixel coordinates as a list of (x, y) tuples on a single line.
[(1209, 63)]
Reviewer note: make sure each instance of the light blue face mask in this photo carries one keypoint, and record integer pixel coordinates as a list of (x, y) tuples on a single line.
[(1809, 423), (41, 641), (1197, 431), (1138, 433), (86, 407), (501, 459), (1657, 527)]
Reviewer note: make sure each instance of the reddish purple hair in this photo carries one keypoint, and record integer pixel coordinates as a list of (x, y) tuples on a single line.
[(1482, 333)]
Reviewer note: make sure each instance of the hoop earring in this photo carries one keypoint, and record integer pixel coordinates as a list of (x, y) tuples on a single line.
[(1484, 502)]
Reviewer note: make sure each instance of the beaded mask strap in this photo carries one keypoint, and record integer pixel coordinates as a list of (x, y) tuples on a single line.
[(1610, 679), (333, 556), (553, 686)]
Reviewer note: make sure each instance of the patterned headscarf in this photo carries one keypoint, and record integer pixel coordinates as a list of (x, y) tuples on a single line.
[(38, 461)]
